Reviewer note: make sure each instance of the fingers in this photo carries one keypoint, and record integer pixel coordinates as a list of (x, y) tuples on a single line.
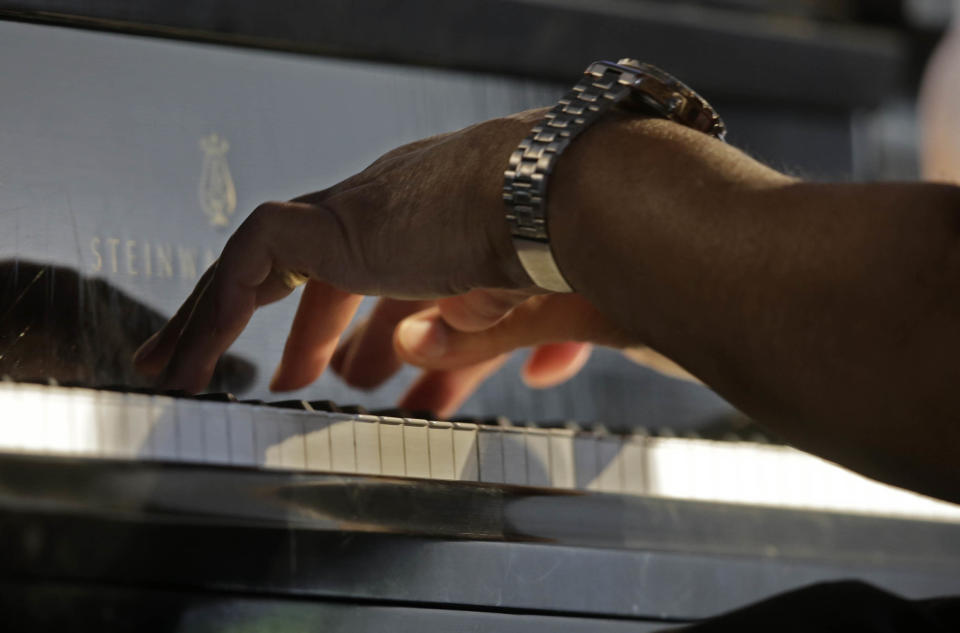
[(443, 391), (554, 363), (323, 314), (427, 340), (154, 354), (340, 354), (216, 321), (269, 244), (367, 358), (479, 309)]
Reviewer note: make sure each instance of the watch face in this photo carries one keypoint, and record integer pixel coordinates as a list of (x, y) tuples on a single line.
[(660, 92)]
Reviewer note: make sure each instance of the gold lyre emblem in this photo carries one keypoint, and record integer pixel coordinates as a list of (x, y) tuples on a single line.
[(218, 197)]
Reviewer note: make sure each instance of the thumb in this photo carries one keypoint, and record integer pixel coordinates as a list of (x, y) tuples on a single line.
[(479, 309), (428, 340)]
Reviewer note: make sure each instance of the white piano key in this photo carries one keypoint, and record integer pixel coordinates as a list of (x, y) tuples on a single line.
[(293, 449), (667, 467), (490, 451), (59, 426), (585, 460), (139, 425), (343, 444), (562, 473), (190, 431), (716, 469), (366, 429), (538, 457), (634, 458), (111, 412), (465, 458), (215, 422), (810, 479), (391, 447), (317, 442), (609, 464), (440, 438), (11, 430), (416, 448), (163, 414), (240, 420), (514, 456), (266, 437), (31, 418), (789, 487), (769, 487), (85, 422)]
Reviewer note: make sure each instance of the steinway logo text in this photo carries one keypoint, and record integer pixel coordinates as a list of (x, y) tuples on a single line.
[(145, 259)]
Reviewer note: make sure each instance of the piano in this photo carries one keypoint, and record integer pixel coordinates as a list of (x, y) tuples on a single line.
[(135, 137)]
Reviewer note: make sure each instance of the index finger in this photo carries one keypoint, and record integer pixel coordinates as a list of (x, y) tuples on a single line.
[(220, 312)]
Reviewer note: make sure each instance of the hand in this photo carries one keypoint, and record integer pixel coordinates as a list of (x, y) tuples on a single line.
[(423, 221), (422, 226)]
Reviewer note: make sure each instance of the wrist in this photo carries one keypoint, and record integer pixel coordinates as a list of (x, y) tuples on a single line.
[(504, 135), (641, 211)]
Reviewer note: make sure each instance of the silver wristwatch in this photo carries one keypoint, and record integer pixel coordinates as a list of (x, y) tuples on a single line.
[(627, 84)]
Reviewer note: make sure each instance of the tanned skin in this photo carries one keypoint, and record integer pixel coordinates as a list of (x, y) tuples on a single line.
[(828, 312)]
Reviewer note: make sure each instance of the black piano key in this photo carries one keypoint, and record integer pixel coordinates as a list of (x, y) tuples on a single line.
[(175, 393), (553, 424), (43, 380), (253, 401), (75, 384), (620, 429), (482, 421), (589, 427), (216, 397), (325, 405), (291, 404), (392, 412), (146, 391), (356, 409), (415, 414), (113, 387)]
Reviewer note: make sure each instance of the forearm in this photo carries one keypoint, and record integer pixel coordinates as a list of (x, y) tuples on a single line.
[(829, 312)]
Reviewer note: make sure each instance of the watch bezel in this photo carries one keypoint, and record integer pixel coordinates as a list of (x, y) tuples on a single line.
[(655, 91)]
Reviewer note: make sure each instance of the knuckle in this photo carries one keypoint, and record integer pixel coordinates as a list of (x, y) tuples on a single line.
[(261, 215)]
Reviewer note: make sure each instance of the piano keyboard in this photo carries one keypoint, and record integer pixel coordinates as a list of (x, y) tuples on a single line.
[(293, 435)]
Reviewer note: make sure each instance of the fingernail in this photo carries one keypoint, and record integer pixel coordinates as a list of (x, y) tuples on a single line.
[(148, 346), (427, 339)]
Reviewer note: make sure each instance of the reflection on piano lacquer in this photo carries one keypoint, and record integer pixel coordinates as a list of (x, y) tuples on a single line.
[(113, 424)]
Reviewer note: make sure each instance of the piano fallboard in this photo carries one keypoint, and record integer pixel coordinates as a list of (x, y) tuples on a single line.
[(404, 541)]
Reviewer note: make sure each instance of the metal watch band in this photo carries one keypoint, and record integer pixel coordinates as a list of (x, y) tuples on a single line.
[(603, 86)]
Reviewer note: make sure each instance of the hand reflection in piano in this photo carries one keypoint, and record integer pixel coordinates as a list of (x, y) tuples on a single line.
[(56, 323)]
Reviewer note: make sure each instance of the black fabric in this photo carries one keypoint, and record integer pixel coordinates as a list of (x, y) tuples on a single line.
[(839, 607)]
